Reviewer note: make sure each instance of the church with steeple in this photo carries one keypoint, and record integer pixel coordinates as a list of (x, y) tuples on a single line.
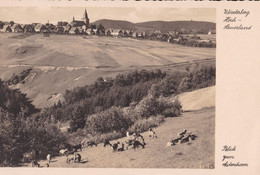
[(84, 22)]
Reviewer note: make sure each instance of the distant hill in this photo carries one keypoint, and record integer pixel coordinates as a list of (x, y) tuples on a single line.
[(164, 26), (115, 24), (177, 25)]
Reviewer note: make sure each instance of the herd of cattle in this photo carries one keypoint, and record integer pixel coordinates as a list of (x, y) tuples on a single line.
[(135, 141)]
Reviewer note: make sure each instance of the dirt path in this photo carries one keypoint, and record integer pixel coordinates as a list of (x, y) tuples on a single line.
[(198, 153)]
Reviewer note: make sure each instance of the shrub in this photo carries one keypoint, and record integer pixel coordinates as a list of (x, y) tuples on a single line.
[(107, 121), (144, 124), (169, 108), (146, 107), (100, 138), (152, 106)]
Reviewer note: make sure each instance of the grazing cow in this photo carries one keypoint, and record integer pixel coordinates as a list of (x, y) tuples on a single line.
[(138, 135), (134, 143), (77, 147), (192, 136), (122, 148), (91, 143), (182, 133), (77, 158), (152, 133), (115, 146), (185, 139), (49, 158), (35, 163), (129, 142), (137, 144), (106, 142), (70, 158), (177, 140), (63, 151)]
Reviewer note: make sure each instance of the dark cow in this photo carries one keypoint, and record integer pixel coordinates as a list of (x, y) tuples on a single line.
[(77, 158), (129, 142), (136, 144), (122, 148), (35, 163), (177, 140), (138, 135), (91, 143), (115, 146), (77, 147), (106, 142)]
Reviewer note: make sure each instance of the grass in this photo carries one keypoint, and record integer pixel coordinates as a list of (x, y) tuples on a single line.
[(196, 154)]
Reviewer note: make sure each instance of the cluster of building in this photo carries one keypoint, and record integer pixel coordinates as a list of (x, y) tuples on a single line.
[(75, 27), (78, 27)]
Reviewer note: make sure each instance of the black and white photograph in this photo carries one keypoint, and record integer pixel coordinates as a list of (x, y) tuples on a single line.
[(107, 87)]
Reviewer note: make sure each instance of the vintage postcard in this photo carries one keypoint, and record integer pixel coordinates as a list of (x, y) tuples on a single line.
[(129, 87)]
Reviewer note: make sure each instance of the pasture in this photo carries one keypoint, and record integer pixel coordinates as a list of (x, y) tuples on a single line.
[(198, 153)]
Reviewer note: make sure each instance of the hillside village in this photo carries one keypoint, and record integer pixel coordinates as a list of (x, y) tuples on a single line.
[(183, 36)]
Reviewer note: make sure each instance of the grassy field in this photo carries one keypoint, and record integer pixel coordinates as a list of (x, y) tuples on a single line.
[(206, 98), (61, 62), (197, 154)]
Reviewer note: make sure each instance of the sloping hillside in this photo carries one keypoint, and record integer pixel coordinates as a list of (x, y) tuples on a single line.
[(198, 99), (199, 153), (58, 63)]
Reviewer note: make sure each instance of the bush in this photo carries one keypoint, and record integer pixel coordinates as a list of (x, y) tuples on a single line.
[(100, 138), (152, 106), (107, 121), (144, 124), (169, 108)]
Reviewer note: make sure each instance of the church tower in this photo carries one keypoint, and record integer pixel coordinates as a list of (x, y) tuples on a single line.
[(85, 19)]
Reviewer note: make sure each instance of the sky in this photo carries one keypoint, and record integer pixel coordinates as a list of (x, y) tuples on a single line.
[(27, 15)]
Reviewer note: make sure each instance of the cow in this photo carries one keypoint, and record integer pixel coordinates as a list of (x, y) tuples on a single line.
[(136, 144), (91, 143), (106, 142), (70, 158), (115, 146), (122, 148), (35, 163), (49, 158), (77, 147), (77, 157), (63, 151)]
